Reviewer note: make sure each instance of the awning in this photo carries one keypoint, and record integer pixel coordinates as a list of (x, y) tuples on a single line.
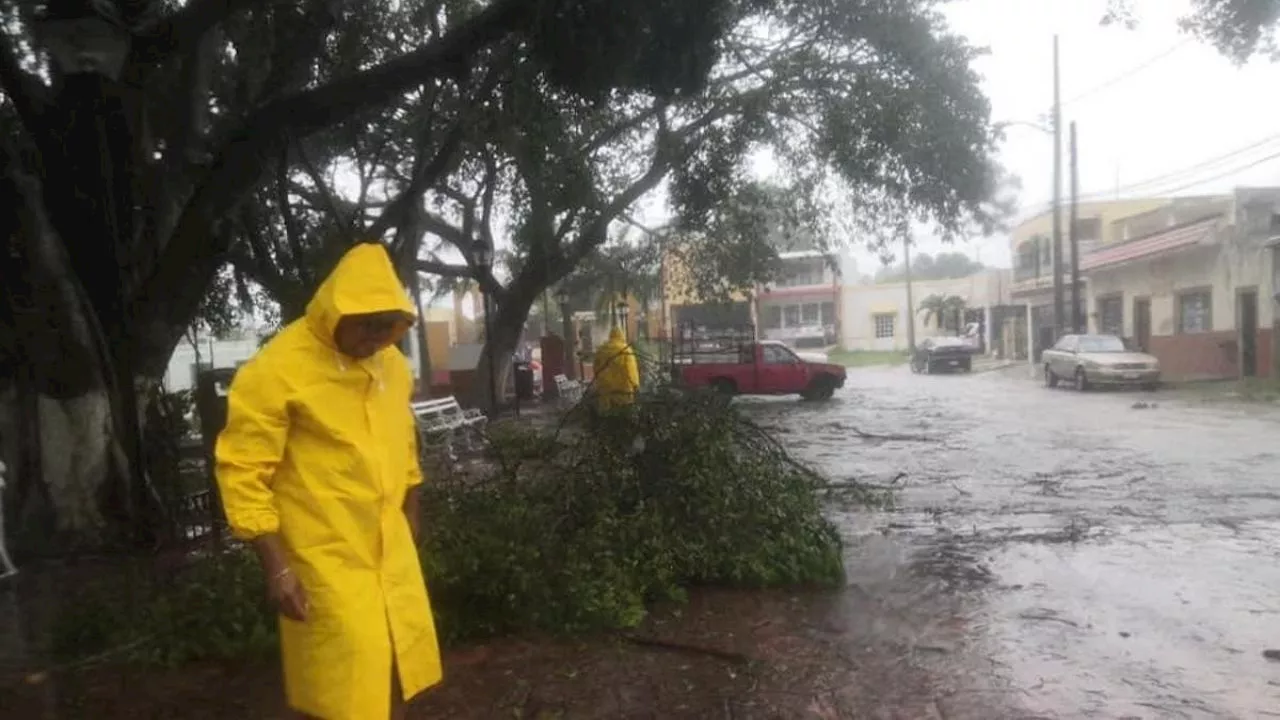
[(1197, 233), (884, 309)]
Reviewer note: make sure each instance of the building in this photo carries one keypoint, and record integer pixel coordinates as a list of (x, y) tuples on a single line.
[(875, 315), (1193, 282), (803, 307), (1031, 246)]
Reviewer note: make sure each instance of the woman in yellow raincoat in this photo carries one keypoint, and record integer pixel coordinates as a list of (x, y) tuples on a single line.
[(318, 468), (617, 375)]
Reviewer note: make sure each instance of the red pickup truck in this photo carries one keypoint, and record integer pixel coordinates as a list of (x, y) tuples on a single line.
[(763, 368)]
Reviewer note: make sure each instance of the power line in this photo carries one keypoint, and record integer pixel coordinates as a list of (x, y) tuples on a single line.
[(1153, 184), (1117, 79), (1219, 176)]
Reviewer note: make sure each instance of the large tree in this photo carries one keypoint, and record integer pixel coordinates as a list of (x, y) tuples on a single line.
[(133, 131), (875, 99)]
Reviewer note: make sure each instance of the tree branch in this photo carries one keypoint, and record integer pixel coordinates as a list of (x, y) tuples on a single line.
[(436, 267), (424, 177), (194, 252), (28, 94), (292, 230), (340, 220), (183, 30)]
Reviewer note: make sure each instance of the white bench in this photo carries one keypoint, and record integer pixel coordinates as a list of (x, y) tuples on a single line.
[(441, 421), (569, 391)]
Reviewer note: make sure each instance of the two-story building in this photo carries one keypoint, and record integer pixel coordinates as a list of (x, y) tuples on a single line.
[(802, 307), (1031, 245)]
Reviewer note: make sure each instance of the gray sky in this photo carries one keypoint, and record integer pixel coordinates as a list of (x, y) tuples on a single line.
[(1151, 104)]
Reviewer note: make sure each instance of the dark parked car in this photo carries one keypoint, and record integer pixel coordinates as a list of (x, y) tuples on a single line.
[(939, 354)]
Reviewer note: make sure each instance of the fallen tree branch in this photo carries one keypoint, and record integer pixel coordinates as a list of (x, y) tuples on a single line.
[(736, 658), (892, 436)]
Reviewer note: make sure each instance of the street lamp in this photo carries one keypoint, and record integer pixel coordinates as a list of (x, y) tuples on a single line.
[(85, 37), (484, 263), (562, 299)]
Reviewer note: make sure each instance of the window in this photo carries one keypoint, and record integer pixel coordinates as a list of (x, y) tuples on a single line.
[(828, 313), (1067, 343), (1195, 312), (884, 325), (810, 314), (791, 316), (1111, 315), (778, 355), (1088, 229), (772, 317)]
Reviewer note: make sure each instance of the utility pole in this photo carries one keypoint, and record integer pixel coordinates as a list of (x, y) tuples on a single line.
[(1059, 315), (1077, 321), (911, 309)]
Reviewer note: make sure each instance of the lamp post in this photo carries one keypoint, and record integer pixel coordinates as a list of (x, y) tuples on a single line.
[(484, 262), (562, 299)]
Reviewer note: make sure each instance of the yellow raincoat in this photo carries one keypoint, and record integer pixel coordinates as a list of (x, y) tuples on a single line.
[(321, 449), (617, 375)]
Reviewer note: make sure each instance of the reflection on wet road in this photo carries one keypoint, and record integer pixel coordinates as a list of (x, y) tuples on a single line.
[(1061, 555)]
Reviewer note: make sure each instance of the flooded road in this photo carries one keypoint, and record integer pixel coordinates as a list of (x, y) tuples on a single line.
[(1060, 555)]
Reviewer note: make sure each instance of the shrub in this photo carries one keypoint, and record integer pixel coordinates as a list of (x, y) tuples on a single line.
[(582, 532)]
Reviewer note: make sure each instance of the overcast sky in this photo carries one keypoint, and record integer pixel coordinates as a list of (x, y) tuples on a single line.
[(1152, 105)]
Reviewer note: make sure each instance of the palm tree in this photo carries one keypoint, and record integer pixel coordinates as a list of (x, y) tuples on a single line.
[(947, 311), (933, 308)]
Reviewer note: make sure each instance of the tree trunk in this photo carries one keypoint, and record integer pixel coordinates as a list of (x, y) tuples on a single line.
[(78, 489), (506, 326)]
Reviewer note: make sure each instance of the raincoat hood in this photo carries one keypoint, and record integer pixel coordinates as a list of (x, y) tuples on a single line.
[(363, 282)]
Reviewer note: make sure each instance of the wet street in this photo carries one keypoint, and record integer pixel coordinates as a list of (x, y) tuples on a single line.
[(1056, 554)]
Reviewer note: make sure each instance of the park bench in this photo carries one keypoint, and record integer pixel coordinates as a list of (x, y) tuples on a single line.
[(569, 391), (442, 421)]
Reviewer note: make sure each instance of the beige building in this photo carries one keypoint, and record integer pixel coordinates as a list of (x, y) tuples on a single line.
[(876, 315)]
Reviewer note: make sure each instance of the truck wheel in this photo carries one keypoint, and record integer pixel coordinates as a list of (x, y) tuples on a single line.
[(725, 387), (821, 388)]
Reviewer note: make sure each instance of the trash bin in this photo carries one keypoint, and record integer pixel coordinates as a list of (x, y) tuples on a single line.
[(524, 380)]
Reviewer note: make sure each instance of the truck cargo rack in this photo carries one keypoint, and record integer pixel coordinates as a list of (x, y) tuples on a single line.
[(699, 344)]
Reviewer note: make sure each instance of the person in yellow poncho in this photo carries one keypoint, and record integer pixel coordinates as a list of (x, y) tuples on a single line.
[(318, 469), (617, 375)]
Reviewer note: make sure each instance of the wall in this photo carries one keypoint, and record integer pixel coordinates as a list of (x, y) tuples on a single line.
[(216, 353), (860, 303)]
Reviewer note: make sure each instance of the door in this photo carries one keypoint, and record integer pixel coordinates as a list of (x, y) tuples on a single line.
[(1142, 324), (781, 372), (1247, 311)]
